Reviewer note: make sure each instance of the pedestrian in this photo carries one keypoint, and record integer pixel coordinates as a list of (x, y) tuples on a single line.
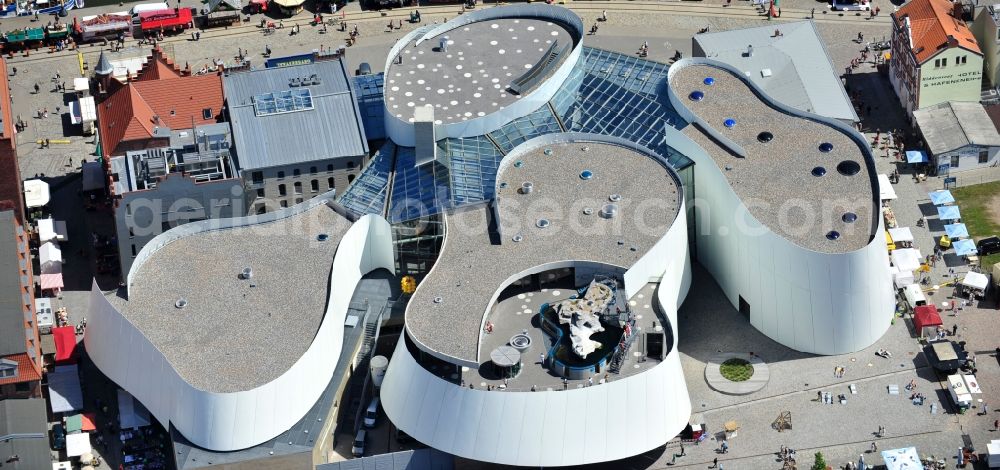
[(682, 449), (725, 447), (874, 447), (812, 14), (954, 330), (877, 9), (590, 381), (986, 409), (565, 383), (819, 396), (715, 463), (541, 359), (868, 110), (14, 69), (37, 88), (604, 15), (996, 425), (861, 37)]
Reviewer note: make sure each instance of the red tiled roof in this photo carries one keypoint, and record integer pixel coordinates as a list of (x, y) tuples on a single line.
[(26, 371), (931, 23), (128, 113), (158, 67)]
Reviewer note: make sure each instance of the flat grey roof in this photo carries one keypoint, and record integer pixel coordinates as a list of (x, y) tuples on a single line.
[(12, 338), (470, 79), (953, 125), (24, 433), (471, 267), (775, 180), (801, 73), (232, 336), (331, 129)]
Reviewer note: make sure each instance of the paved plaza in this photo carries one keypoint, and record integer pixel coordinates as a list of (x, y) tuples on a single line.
[(708, 324)]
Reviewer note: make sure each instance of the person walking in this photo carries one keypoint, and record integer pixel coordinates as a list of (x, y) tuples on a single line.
[(715, 463), (590, 381), (874, 447), (861, 37), (996, 425), (541, 359), (725, 447), (14, 69), (954, 330), (986, 409)]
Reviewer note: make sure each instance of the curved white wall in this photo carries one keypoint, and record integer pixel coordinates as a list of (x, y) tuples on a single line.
[(401, 131), (233, 421), (821, 303)]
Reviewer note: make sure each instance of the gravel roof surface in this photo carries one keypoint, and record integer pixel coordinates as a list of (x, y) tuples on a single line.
[(776, 179), (231, 336), (470, 79), (470, 269)]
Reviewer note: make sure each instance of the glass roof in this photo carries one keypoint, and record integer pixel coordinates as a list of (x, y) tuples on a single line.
[(279, 102)]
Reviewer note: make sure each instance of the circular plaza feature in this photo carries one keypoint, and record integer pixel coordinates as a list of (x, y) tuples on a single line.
[(736, 373), (736, 370)]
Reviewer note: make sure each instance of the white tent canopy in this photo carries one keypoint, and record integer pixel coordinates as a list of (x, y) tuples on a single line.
[(36, 193), (994, 450), (885, 189), (901, 234), (975, 280), (902, 459), (64, 389), (51, 230), (906, 259), (78, 444), (50, 257), (901, 278), (131, 414)]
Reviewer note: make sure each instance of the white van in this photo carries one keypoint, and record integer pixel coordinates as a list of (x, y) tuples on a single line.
[(146, 7), (371, 414), (851, 5), (914, 296)]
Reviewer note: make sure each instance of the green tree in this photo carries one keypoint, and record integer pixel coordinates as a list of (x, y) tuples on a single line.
[(820, 463)]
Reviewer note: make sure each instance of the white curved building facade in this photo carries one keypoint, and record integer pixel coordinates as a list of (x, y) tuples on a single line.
[(244, 418)]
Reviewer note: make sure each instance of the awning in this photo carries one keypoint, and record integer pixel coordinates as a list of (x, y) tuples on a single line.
[(52, 282), (916, 156), (81, 423), (65, 339), (165, 19), (93, 176), (64, 389), (81, 84), (906, 259), (36, 193), (926, 315), (50, 257), (965, 247), (956, 231), (885, 189), (46, 230), (975, 280), (901, 234), (82, 110), (78, 444), (902, 459), (131, 413), (949, 213), (941, 197)]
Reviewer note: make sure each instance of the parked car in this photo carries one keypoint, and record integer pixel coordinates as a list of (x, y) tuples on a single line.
[(989, 245), (371, 414), (58, 437), (358, 448)]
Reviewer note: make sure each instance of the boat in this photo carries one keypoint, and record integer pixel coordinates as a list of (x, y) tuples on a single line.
[(41, 7)]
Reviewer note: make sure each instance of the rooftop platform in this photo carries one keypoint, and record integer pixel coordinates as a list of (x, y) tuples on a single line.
[(480, 257), (799, 177), (237, 334), (471, 78)]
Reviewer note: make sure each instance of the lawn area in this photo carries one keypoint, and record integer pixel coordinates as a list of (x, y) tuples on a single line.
[(974, 201), (736, 370)]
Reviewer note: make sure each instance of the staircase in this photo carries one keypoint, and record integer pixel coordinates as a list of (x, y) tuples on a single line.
[(623, 347)]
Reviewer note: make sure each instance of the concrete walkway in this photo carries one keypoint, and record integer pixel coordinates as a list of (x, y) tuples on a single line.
[(757, 381)]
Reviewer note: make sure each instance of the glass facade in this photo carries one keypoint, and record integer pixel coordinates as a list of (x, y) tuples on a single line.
[(367, 194), (368, 89), (473, 164)]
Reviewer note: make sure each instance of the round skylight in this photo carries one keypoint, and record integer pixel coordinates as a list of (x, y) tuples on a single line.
[(818, 171), (765, 137), (848, 168)]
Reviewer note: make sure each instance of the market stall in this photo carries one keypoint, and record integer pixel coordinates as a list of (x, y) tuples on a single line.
[(963, 389), (956, 231), (926, 320), (83, 112), (52, 230), (52, 284), (901, 278), (993, 453), (65, 340), (949, 213), (93, 176), (65, 394), (105, 25), (78, 444), (50, 258), (965, 247), (941, 197), (973, 285), (36, 193), (902, 237), (885, 189), (907, 259), (84, 422), (223, 12), (902, 459)]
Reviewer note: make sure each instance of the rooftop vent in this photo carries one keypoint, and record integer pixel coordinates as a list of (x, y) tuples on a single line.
[(181, 303), (709, 81), (826, 147), (322, 237), (765, 137), (609, 211), (730, 123), (517, 238), (848, 168), (832, 235), (547, 151), (294, 81), (527, 187), (543, 223), (586, 174), (438, 299), (615, 197), (849, 217), (818, 171), (587, 211), (247, 273)]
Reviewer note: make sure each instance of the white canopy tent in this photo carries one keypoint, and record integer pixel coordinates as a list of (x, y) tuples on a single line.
[(901, 234), (975, 280), (902, 459), (81, 86), (993, 448), (50, 257), (64, 389), (131, 414), (901, 278), (885, 189), (51, 230), (78, 444), (906, 259), (36, 193)]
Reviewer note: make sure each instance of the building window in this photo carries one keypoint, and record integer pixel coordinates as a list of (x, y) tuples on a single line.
[(315, 185), (298, 187), (350, 179), (329, 183), (22, 387), (260, 192), (260, 209), (296, 172), (283, 203), (313, 170), (298, 200), (281, 175), (954, 161), (984, 156), (281, 190), (8, 368), (350, 164), (329, 167), (944, 62), (258, 177)]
